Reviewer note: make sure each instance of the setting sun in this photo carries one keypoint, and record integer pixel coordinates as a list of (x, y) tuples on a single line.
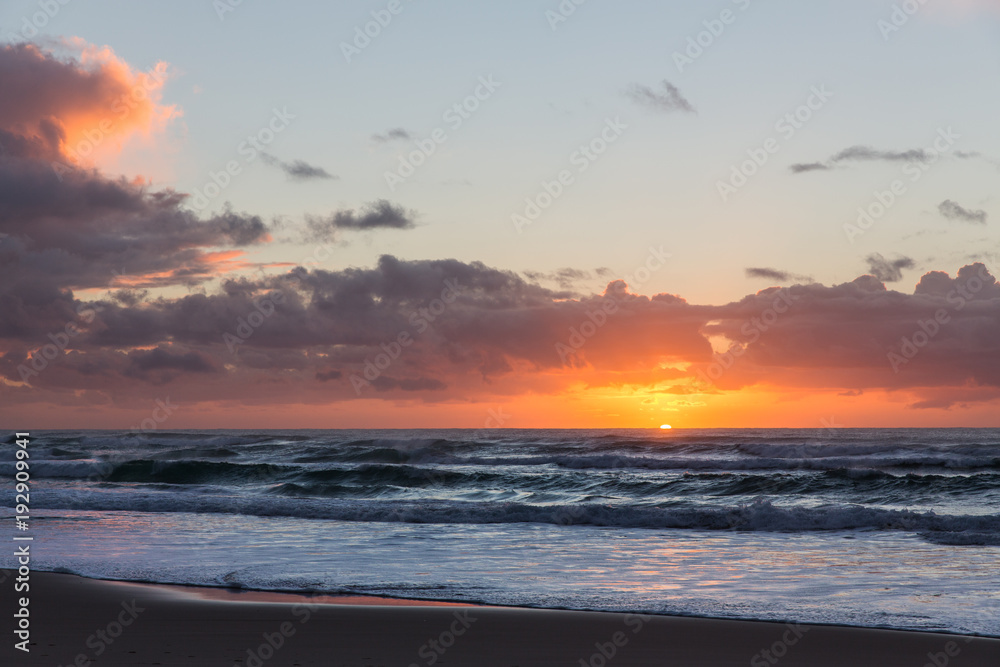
[(666, 427)]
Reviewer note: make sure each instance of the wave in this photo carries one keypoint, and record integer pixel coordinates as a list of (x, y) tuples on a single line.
[(759, 515), (619, 462), (729, 450), (575, 483)]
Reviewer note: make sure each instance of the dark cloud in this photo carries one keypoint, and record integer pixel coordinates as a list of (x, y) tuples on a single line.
[(953, 211), (65, 228), (775, 274), (869, 154), (807, 167), (143, 362), (473, 330), (668, 100), (298, 170), (381, 214), (395, 134), (383, 384), (567, 277), (888, 271)]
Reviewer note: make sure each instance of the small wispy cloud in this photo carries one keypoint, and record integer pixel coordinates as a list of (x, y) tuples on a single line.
[(802, 168), (954, 211), (381, 214), (395, 134), (567, 278), (667, 100), (778, 275), (297, 170), (888, 271), (868, 154)]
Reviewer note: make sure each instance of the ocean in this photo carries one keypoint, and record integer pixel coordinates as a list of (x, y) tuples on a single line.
[(896, 528)]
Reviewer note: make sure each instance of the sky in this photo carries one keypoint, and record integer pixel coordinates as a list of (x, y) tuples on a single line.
[(523, 214)]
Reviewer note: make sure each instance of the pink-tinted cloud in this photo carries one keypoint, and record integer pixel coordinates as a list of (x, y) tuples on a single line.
[(79, 108)]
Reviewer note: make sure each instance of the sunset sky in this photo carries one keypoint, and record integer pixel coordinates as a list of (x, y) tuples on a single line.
[(727, 213)]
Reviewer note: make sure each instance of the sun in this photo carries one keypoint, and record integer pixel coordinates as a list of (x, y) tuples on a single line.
[(666, 427)]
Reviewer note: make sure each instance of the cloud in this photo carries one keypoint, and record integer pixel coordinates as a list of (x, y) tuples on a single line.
[(146, 364), (888, 271), (77, 110), (381, 214), (297, 170), (566, 277), (669, 100), (776, 275), (65, 228), (869, 154), (384, 383), (476, 332), (395, 134), (953, 211), (810, 166), (79, 250)]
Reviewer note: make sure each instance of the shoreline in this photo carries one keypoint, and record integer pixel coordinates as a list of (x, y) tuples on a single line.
[(129, 623), (224, 593)]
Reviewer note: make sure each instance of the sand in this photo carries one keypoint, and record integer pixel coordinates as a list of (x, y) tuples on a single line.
[(76, 621)]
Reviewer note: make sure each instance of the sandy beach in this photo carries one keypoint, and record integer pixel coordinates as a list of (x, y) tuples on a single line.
[(77, 621)]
